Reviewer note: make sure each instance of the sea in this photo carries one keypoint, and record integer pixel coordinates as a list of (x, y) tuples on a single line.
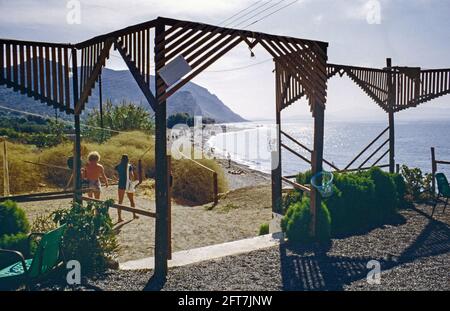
[(250, 143)]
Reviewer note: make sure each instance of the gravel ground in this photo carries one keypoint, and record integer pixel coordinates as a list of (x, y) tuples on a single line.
[(414, 255)]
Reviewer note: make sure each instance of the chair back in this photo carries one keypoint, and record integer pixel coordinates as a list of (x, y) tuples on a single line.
[(47, 254), (443, 186)]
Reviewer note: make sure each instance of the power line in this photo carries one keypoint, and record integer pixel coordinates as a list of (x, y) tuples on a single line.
[(240, 68), (266, 16), (243, 10), (236, 16), (255, 15), (229, 24)]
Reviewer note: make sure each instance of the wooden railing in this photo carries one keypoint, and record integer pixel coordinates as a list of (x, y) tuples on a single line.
[(305, 148)]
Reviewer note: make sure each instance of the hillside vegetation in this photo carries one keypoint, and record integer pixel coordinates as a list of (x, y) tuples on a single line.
[(190, 182)]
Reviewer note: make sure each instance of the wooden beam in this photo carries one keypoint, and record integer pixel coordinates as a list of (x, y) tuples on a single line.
[(391, 105), (89, 84), (124, 208), (161, 181), (366, 148), (77, 197), (276, 169), (296, 185), (140, 79), (317, 160)]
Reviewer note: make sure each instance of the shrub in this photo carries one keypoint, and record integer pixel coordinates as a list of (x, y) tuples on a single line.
[(89, 237), (14, 230), (43, 223), (290, 198), (351, 202), (18, 241), (418, 185), (297, 223), (361, 200), (400, 187), (193, 183), (122, 117), (12, 219), (385, 201), (264, 229)]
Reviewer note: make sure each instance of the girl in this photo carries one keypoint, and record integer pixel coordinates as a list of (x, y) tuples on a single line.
[(126, 183), (93, 172)]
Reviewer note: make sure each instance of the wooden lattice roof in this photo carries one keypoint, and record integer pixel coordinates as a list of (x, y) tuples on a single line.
[(46, 73)]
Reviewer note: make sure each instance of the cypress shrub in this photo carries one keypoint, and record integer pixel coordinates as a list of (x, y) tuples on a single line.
[(297, 223), (12, 219)]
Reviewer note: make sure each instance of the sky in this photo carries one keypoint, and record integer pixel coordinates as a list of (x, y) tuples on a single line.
[(359, 32)]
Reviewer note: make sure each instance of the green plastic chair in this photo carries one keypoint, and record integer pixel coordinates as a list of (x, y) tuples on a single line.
[(443, 191), (47, 256)]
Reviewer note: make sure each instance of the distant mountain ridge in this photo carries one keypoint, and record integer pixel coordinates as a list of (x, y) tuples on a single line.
[(119, 85)]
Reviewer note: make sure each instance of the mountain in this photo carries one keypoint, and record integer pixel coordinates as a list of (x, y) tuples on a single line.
[(120, 85)]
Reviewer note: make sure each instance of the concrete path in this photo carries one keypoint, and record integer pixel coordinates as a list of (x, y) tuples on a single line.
[(187, 257)]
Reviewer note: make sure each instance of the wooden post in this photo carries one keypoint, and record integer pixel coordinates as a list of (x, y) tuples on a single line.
[(6, 190), (391, 104), (161, 182), (397, 168), (215, 188), (433, 171), (169, 204), (100, 98), (276, 170), (78, 196), (317, 159)]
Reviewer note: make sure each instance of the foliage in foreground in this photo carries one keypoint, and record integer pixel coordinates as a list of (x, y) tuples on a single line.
[(264, 229), (297, 223), (89, 236), (14, 228)]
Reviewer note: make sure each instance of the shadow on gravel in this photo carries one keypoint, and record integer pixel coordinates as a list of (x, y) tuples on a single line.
[(433, 240), (311, 269)]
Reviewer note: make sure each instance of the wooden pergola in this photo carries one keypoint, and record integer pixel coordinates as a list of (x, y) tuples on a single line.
[(394, 89), (49, 73)]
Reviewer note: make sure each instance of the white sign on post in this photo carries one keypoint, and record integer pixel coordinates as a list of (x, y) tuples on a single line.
[(175, 70)]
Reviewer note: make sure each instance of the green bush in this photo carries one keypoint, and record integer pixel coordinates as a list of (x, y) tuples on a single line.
[(400, 187), (351, 202), (360, 200), (264, 229), (297, 223), (89, 237), (385, 201), (12, 219), (418, 184), (14, 230)]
